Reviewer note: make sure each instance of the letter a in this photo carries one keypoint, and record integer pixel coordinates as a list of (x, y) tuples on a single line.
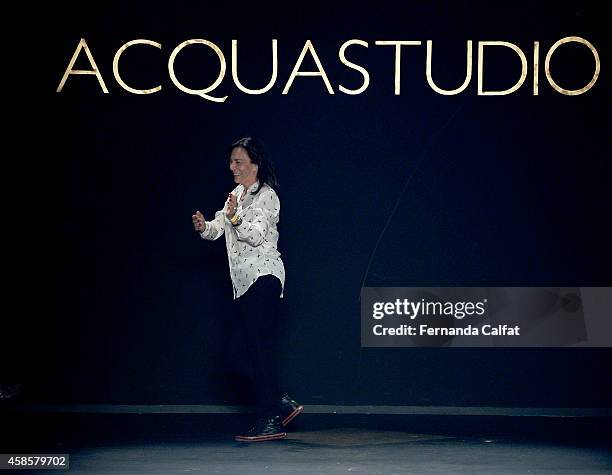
[(94, 70), (308, 47)]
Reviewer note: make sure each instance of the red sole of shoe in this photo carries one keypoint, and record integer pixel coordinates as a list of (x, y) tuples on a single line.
[(293, 415), (261, 438)]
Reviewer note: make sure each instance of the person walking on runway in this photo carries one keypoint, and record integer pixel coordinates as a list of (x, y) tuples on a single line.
[(249, 221)]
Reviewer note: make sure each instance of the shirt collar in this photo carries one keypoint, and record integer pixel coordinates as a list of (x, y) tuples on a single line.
[(253, 188)]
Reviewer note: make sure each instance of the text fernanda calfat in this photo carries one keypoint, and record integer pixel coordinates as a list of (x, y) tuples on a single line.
[(426, 330)]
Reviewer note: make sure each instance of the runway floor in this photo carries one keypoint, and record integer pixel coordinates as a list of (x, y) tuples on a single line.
[(316, 444)]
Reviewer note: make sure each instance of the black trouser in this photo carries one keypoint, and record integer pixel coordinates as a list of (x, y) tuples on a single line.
[(258, 310)]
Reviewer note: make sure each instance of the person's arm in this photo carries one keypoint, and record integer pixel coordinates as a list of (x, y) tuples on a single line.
[(214, 229), (254, 223)]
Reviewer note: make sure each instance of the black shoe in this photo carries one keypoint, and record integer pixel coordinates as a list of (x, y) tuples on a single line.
[(289, 409), (266, 428), (10, 390)]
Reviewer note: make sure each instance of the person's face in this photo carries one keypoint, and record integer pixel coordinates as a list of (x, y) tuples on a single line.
[(244, 171)]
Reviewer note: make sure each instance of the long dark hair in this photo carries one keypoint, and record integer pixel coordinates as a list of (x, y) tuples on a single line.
[(259, 156)]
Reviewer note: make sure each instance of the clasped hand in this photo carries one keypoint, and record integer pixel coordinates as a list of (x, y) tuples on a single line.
[(199, 223), (231, 206)]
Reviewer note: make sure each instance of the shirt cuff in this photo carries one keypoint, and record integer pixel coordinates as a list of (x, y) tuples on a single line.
[(203, 233)]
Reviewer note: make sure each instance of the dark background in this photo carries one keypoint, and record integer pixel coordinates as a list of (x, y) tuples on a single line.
[(129, 306)]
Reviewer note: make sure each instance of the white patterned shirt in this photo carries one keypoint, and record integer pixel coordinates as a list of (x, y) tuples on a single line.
[(251, 246)]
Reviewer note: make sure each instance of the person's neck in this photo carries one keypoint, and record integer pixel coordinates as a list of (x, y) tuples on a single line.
[(248, 184)]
